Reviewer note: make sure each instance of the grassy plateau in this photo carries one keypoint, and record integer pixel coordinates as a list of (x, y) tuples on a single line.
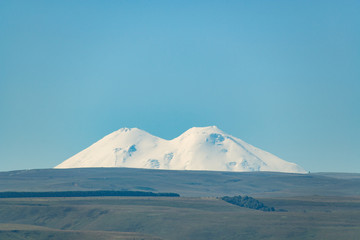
[(318, 206)]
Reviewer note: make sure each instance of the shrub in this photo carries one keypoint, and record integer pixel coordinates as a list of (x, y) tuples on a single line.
[(248, 202)]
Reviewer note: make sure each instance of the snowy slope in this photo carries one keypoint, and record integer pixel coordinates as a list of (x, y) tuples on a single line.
[(199, 148)]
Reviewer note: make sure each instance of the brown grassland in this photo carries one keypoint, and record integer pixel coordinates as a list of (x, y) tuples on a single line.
[(319, 206), (178, 218)]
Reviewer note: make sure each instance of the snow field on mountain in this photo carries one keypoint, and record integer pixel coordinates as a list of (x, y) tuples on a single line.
[(199, 148)]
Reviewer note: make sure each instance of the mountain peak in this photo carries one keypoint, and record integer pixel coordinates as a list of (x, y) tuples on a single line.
[(207, 128), (203, 130), (199, 148), (125, 129)]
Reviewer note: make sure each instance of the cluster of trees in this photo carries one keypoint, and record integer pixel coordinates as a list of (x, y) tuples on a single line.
[(248, 202), (85, 194)]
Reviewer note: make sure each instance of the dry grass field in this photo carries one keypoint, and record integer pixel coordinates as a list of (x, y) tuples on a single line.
[(318, 206), (178, 218)]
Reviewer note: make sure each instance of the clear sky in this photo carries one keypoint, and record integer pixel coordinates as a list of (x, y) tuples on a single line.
[(281, 75)]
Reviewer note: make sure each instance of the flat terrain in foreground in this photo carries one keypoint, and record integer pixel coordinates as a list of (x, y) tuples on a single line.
[(319, 206), (178, 218)]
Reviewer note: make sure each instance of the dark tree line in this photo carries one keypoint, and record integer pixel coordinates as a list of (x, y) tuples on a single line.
[(85, 194), (248, 202)]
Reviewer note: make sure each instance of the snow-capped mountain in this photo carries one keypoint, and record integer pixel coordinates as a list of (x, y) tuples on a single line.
[(199, 148)]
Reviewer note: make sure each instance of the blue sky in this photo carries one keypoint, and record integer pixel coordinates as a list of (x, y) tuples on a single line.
[(281, 75)]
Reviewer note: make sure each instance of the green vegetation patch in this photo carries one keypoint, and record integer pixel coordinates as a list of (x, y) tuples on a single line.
[(85, 194), (248, 202)]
